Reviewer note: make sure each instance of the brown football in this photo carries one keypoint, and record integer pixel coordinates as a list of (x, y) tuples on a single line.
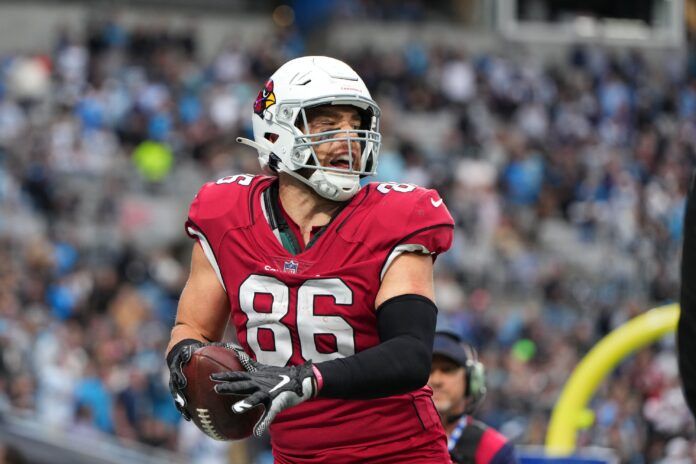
[(212, 413)]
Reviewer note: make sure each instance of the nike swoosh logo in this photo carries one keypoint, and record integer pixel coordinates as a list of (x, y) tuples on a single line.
[(283, 380), (436, 203), (241, 406), (180, 400)]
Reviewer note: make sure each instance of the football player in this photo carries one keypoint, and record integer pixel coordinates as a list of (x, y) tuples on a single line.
[(329, 285), (458, 381)]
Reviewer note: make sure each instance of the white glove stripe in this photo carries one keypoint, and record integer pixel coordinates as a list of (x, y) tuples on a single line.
[(283, 380), (280, 403)]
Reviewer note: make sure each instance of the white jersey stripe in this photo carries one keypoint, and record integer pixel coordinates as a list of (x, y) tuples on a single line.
[(404, 248), (208, 253)]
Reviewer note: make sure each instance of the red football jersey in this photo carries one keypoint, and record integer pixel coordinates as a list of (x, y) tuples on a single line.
[(320, 305)]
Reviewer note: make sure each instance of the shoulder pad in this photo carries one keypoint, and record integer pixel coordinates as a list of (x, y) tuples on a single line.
[(393, 214), (223, 205)]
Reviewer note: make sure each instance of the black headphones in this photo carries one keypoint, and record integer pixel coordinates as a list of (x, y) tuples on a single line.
[(475, 379)]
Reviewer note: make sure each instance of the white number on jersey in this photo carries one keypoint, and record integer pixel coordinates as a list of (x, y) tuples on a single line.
[(386, 187), (271, 321), (241, 179), (308, 323)]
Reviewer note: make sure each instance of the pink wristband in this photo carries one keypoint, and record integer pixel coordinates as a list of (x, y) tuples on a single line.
[(320, 379)]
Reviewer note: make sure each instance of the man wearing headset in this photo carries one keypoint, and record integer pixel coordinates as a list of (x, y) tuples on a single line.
[(459, 385)]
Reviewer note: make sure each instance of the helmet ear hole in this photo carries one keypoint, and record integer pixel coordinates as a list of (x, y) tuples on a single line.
[(270, 136)]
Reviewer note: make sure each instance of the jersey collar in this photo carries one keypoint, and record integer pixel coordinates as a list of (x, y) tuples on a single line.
[(282, 224)]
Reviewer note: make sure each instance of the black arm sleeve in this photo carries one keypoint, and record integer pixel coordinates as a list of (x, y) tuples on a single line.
[(686, 330), (399, 364)]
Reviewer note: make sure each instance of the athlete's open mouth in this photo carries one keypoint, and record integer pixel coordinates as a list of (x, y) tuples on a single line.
[(342, 162)]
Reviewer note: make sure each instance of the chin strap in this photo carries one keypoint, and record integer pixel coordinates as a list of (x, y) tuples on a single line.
[(320, 185)]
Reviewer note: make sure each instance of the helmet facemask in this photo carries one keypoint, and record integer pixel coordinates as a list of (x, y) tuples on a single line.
[(362, 146)]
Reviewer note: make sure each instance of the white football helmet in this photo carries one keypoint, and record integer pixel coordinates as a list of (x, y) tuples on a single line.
[(281, 106)]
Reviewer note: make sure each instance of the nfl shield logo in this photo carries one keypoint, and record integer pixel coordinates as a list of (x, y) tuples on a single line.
[(291, 267)]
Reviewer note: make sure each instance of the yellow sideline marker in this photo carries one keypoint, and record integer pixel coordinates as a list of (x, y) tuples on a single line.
[(570, 413)]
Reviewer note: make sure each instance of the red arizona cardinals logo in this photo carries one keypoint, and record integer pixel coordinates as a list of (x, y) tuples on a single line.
[(265, 99)]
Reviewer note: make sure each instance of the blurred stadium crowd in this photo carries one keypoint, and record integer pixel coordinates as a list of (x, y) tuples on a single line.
[(566, 179)]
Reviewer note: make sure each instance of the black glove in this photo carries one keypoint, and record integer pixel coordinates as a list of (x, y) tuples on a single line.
[(277, 388), (179, 355)]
